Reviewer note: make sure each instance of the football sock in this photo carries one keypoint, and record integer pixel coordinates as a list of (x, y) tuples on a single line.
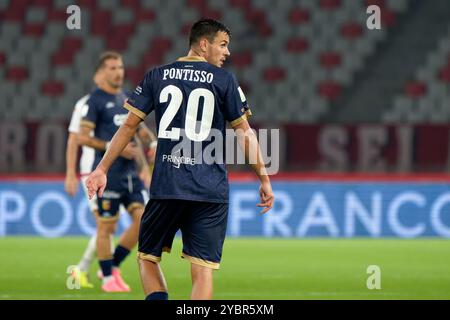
[(119, 255), (106, 266), (158, 295)]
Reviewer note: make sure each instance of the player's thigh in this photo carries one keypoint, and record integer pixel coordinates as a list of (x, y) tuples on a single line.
[(203, 233), (159, 224)]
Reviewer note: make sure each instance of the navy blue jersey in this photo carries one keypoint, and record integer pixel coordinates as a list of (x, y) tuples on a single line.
[(105, 114), (192, 100)]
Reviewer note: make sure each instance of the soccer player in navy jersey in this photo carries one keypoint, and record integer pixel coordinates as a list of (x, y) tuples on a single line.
[(102, 115), (193, 98)]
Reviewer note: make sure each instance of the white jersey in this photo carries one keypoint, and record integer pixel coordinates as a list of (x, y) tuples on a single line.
[(87, 153)]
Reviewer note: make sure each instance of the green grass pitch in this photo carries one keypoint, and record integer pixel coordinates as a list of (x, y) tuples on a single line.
[(252, 268)]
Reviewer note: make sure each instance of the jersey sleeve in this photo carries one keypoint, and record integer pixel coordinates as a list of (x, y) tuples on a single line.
[(236, 107), (78, 112), (140, 101), (89, 114)]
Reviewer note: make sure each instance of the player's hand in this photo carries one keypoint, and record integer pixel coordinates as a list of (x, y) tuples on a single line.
[(71, 185), (130, 152), (267, 197), (145, 177), (96, 182), (151, 154)]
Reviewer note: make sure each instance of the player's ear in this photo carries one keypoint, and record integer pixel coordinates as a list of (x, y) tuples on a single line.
[(203, 44)]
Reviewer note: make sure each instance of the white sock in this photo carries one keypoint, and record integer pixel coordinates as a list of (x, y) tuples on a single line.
[(89, 254), (107, 279)]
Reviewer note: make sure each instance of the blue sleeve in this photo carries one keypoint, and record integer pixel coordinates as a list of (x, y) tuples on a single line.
[(89, 114), (141, 100), (236, 107)]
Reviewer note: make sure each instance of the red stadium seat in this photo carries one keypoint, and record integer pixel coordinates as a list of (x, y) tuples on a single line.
[(161, 44), (243, 4), (18, 5), (147, 15), (298, 16), (199, 4), (125, 30), (43, 3), (71, 44), (14, 15), (297, 45), (88, 4), (16, 74), (210, 13), (101, 22), (134, 4), (152, 58), (351, 30), (34, 30), (330, 60), (380, 3), (274, 74), (52, 88), (330, 4), (330, 89), (388, 18), (135, 74), (185, 29), (62, 58), (444, 74), (241, 59), (2, 58), (57, 15), (116, 43), (415, 89), (265, 30)]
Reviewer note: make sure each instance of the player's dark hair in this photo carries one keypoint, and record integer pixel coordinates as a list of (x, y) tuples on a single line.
[(106, 56), (208, 28)]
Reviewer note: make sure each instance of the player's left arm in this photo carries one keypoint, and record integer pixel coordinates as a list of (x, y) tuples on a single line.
[(141, 162), (97, 179), (149, 139)]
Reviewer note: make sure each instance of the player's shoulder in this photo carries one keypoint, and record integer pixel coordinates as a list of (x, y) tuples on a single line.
[(82, 101)]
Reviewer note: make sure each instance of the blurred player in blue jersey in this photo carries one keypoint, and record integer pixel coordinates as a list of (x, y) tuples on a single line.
[(85, 167), (193, 98), (102, 116)]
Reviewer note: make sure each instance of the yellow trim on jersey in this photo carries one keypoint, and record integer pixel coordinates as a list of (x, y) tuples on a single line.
[(192, 58), (87, 123), (245, 116), (134, 110), (148, 257), (134, 205), (167, 249), (201, 262)]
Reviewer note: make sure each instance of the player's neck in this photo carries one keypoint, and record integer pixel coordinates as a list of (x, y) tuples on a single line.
[(109, 89), (195, 53)]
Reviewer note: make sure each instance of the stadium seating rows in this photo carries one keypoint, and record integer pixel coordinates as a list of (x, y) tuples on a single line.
[(291, 56), (427, 97)]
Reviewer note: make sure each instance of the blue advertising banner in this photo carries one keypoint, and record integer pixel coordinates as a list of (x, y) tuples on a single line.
[(302, 209)]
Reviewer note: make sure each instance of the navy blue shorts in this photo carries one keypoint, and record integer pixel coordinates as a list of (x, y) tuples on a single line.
[(123, 189), (203, 227)]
